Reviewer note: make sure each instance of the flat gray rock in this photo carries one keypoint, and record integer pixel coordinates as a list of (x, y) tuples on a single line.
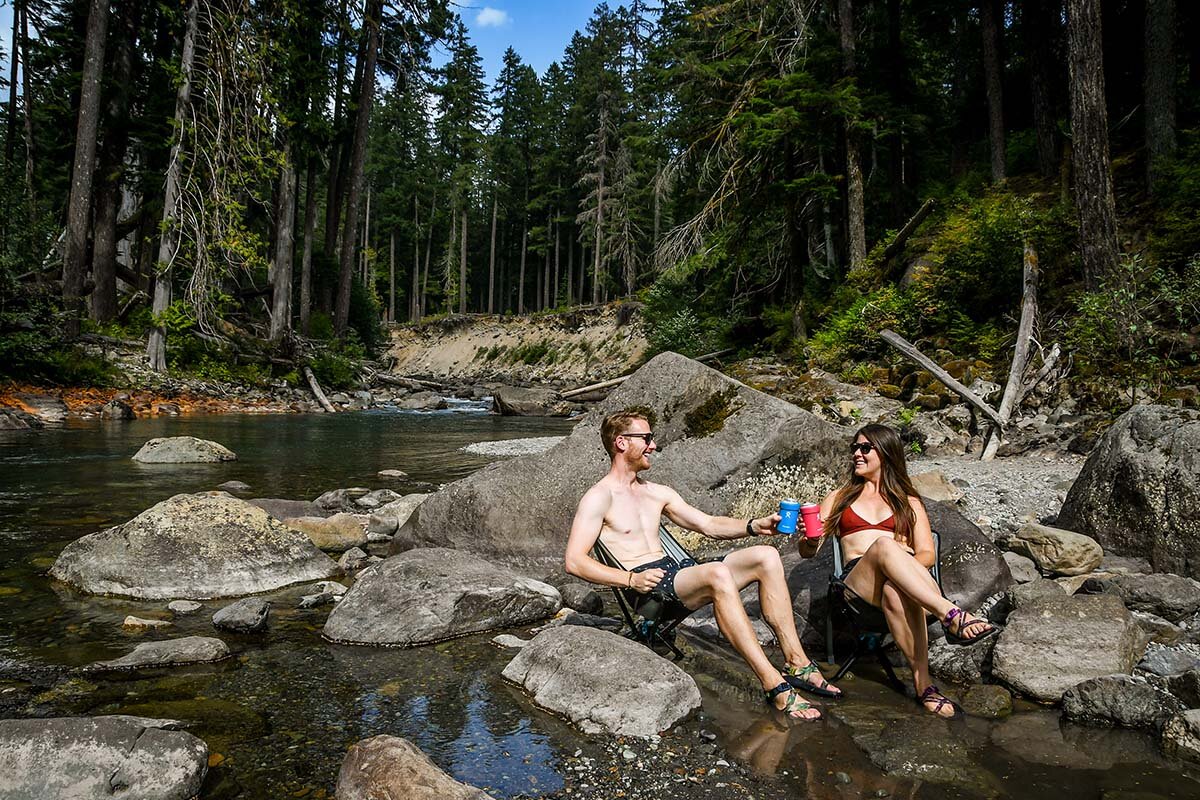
[(1119, 700), (603, 682), (1172, 597), (387, 519), (98, 758), (193, 546), (1169, 661), (167, 653), (248, 615), (1022, 568), (396, 769), (431, 594), (44, 407), (183, 450), (1054, 643)]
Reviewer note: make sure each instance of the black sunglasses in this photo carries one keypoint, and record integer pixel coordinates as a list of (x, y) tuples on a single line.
[(861, 447), (646, 438)]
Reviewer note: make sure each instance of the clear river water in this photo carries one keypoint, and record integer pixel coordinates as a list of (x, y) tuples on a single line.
[(279, 716)]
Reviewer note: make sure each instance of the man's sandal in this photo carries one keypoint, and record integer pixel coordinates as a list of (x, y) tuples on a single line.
[(933, 694), (800, 678), (794, 703), (956, 624)]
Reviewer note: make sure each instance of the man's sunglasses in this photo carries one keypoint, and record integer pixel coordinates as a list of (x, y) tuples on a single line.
[(861, 447), (646, 438)]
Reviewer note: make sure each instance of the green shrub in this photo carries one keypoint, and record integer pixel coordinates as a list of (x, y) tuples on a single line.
[(1175, 238), (320, 326), (853, 334), (334, 370)]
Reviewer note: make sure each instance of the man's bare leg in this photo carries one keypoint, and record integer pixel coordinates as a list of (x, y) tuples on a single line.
[(762, 564), (714, 583)]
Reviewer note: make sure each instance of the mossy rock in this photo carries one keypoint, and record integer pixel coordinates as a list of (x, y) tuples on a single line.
[(929, 402), (709, 417), (957, 368), (890, 390)]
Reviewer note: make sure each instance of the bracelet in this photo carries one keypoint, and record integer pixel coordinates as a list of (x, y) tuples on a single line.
[(750, 528), (629, 585)]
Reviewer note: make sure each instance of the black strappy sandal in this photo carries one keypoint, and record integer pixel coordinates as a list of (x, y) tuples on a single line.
[(956, 636), (933, 694), (793, 704), (798, 678)]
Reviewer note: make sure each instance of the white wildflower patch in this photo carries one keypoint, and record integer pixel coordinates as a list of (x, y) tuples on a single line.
[(760, 494)]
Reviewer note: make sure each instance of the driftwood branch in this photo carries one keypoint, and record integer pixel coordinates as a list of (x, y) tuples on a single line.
[(1009, 401), (1048, 365), (908, 350), (897, 244), (316, 390), (618, 381)]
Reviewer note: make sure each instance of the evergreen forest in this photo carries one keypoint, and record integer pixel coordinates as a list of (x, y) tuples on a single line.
[(783, 177)]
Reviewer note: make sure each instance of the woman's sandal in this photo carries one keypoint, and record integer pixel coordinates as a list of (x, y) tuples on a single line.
[(798, 677), (793, 704), (933, 694), (954, 632)]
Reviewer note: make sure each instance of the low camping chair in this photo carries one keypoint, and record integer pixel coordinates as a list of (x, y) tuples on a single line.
[(867, 625), (659, 615)]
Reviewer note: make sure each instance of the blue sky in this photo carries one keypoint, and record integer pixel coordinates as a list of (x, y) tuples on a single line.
[(539, 30)]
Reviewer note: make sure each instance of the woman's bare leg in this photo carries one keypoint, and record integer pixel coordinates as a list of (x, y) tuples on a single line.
[(885, 561)]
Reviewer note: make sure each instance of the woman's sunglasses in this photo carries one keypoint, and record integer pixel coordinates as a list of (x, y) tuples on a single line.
[(861, 447)]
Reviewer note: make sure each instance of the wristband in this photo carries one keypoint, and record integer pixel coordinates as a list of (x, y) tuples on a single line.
[(750, 528)]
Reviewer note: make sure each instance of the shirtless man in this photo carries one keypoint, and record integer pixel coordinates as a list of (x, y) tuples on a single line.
[(623, 511)]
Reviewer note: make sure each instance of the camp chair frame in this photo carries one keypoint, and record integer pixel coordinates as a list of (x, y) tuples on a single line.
[(866, 622), (660, 615)]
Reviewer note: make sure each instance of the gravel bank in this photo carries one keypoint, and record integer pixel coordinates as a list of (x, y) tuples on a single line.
[(513, 447)]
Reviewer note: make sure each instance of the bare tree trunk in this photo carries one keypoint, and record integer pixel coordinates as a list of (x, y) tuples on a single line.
[(462, 262), (14, 60), (521, 279), (993, 74), (285, 249), (547, 283), (310, 228), (424, 309), (492, 261), (1011, 398), (79, 207), (1039, 32), (391, 310), (333, 190), (570, 271), (168, 246), (27, 106), (557, 260), (855, 204), (364, 255), (599, 240), (414, 299), (1159, 86), (1089, 133), (366, 96)]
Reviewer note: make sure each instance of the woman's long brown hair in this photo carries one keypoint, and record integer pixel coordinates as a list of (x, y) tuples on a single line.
[(894, 484)]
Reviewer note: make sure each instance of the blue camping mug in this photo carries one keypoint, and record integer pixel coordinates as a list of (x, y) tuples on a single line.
[(790, 511)]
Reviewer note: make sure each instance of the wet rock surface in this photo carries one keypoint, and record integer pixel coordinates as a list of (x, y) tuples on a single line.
[(431, 594), (243, 616), (392, 767), (1125, 700), (99, 757), (195, 547), (183, 450), (167, 653), (603, 682)]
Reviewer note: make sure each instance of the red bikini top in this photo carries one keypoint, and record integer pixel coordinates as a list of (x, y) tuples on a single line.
[(851, 522)]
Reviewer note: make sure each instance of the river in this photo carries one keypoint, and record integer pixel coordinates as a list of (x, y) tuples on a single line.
[(279, 716)]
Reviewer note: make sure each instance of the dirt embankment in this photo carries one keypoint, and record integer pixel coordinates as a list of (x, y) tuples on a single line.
[(572, 347)]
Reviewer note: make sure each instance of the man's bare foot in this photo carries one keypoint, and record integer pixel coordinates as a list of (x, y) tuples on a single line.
[(783, 699)]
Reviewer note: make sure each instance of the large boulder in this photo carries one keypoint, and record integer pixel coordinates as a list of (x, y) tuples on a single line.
[(396, 769), (603, 682), (514, 401), (388, 518), (45, 407), (1172, 597), (335, 534), (973, 569), (1054, 643), (430, 594), (168, 653), (1125, 701), (14, 419), (183, 450), (100, 757), (1139, 492), (1055, 550), (197, 546), (714, 433)]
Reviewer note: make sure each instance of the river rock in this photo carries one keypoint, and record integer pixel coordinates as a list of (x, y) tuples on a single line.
[(374, 499), (1027, 594), (988, 701), (141, 624), (388, 518), (354, 559), (90, 758), (581, 598), (1172, 597), (422, 401), (116, 409), (192, 546), (1054, 643), (234, 486), (1055, 550), (14, 419), (1139, 492), (715, 433), (1181, 737), (167, 653), (934, 486), (282, 509), (393, 474), (973, 569), (332, 534), (1023, 569), (1170, 660), (430, 594), (45, 407), (182, 607), (341, 499), (244, 616), (603, 682), (594, 621), (1123, 700), (183, 450), (391, 768), (962, 664), (514, 401)]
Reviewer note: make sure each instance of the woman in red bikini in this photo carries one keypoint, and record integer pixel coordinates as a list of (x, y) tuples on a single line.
[(887, 561)]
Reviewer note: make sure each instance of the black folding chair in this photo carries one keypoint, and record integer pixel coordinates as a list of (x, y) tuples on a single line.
[(659, 615), (868, 627)]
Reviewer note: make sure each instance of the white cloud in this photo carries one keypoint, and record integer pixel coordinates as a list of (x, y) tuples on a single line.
[(489, 17)]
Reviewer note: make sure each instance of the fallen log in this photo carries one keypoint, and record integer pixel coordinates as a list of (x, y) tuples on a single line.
[(1010, 401), (908, 350), (897, 244), (1048, 365), (316, 390), (595, 387)]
